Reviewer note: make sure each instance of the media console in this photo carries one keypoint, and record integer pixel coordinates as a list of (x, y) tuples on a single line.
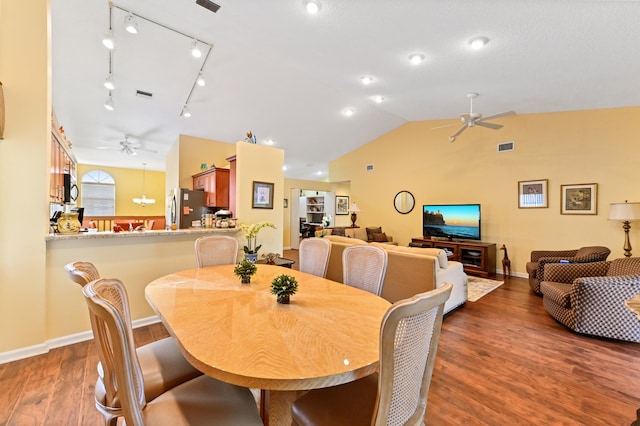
[(477, 258)]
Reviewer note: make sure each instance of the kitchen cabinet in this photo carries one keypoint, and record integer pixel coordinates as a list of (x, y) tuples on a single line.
[(215, 183), (62, 162)]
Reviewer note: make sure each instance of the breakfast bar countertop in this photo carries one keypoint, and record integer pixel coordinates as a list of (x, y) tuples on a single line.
[(138, 234)]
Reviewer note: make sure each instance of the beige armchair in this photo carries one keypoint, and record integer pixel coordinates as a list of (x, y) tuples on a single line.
[(589, 297), (539, 258)]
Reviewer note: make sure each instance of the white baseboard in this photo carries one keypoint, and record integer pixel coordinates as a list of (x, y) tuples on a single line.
[(514, 274), (43, 348)]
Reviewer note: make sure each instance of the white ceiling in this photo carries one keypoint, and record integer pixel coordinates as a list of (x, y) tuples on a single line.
[(286, 75)]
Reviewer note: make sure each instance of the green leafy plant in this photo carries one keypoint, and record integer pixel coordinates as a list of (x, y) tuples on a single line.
[(251, 234), (284, 286), (245, 269)]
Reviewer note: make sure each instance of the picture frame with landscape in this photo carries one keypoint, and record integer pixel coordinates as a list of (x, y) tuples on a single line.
[(262, 195), (342, 204), (579, 198), (533, 194)]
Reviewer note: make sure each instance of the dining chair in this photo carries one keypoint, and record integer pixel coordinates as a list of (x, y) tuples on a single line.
[(364, 267), (200, 401), (314, 256), (409, 337), (161, 362), (216, 250)]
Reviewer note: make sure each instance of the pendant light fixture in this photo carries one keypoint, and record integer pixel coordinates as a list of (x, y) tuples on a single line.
[(144, 201)]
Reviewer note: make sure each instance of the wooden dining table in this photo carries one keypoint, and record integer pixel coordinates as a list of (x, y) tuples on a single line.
[(238, 333)]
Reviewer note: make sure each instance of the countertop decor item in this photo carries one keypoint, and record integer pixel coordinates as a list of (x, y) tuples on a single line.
[(245, 269), (251, 234), (283, 286), (68, 223)]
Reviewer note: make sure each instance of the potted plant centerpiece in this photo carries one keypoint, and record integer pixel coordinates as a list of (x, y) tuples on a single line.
[(284, 286), (244, 270), (251, 234)]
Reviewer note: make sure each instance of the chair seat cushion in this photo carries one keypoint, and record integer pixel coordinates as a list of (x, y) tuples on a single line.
[(336, 405), (203, 401), (559, 293)]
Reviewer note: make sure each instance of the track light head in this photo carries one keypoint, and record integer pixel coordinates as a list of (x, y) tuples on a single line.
[(195, 49), (130, 24), (108, 83), (185, 112), (108, 104), (109, 41), (201, 81)]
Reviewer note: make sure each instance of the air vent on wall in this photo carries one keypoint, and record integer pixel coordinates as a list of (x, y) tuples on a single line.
[(142, 94), (208, 5), (506, 146), (369, 167)]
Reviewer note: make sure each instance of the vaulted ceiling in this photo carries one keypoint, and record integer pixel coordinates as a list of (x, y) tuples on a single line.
[(288, 76)]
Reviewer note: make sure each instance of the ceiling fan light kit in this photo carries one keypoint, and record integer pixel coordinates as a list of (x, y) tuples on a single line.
[(131, 25)]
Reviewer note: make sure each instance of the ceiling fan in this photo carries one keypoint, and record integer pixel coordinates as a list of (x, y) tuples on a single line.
[(128, 148), (472, 119)]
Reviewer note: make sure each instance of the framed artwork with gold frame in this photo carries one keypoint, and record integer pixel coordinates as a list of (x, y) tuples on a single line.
[(579, 198)]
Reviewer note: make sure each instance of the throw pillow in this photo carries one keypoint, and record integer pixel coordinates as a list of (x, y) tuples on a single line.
[(380, 238), (338, 231), (371, 231)]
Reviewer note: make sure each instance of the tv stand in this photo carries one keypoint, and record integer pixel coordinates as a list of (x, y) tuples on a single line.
[(478, 258)]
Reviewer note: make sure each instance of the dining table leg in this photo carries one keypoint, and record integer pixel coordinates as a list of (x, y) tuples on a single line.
[(275, 406)]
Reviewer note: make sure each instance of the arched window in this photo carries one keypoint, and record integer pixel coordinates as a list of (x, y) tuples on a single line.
[(98, 194)]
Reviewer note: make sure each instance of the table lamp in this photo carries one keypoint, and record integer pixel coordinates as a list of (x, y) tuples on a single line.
[(354, 209), (625, 213)]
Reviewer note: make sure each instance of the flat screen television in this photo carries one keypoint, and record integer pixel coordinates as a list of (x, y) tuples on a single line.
[(451, 221)]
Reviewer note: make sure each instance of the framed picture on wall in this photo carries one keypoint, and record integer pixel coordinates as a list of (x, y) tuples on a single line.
[(579, 198), (533, 194), (262, 195), (342, 205)]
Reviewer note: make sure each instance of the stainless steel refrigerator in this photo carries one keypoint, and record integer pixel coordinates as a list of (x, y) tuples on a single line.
[(186, 207)]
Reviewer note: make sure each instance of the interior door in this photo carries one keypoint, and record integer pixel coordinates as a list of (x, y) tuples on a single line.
[(294, 218)]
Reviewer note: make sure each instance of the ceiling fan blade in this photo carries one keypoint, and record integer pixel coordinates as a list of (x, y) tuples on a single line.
[(456, 134), (489, 125), (446, 125), (502, 114)]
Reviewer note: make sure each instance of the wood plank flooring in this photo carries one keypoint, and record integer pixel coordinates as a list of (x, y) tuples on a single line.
[(501, 361)]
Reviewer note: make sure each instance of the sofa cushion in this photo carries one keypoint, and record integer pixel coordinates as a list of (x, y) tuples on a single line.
[(441, 255), (358, 233), (558, 293), (344, 240), (380, 238), (371, 231)]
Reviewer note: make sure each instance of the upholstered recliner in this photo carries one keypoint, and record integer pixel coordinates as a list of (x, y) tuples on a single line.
[(539, 258), (589, 297)]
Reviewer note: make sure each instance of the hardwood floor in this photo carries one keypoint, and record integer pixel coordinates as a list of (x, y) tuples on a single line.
[(501, 361)]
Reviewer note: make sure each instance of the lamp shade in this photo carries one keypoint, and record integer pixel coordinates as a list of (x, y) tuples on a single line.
[(354, 208), (624, 211)]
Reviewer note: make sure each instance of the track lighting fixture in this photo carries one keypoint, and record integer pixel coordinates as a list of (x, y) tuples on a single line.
[(108, 104), (416, 58), (130, 24), (195, 49), (478, 42)]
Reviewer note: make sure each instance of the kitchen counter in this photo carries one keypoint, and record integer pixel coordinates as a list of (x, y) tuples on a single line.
[(138, 234)]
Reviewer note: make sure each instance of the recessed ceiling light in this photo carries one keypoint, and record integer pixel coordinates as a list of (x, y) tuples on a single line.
[(268, 142), (416, 58), (319, 172), (348, 112), (478, 42), (312, 6), (284, 168), (378, 99), (366, 79)]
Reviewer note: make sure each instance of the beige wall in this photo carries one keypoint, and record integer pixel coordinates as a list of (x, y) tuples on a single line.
[(129, 186), (575, 147), (195, 151), (24, 164)]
